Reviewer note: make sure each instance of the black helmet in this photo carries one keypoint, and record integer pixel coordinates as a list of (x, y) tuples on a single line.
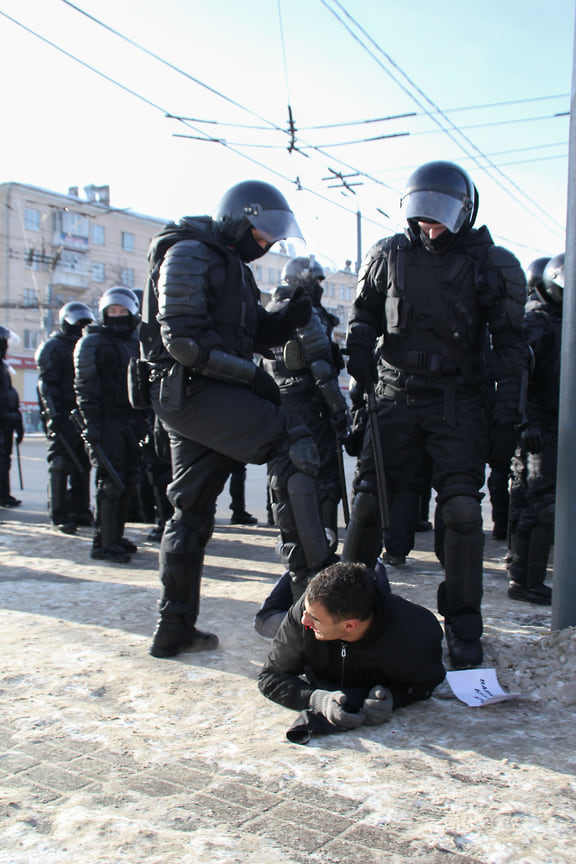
[(139, 296), (441, 192), (254, 204), (74, 317), (120, 296), (534, 273), (553, 279), (305, 272)]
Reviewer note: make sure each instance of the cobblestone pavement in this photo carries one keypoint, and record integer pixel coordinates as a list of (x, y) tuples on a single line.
[(109, 756)]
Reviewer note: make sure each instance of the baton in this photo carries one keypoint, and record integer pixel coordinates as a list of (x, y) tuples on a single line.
[(70, 450), (101, 458), (378, 457), (342, 477), (19, 464)]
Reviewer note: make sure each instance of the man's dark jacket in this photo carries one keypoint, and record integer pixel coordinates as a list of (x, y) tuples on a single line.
[(402, 650)]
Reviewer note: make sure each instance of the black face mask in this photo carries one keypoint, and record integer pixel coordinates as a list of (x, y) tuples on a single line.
[(121, 325), (248, 249), (3, 348), (440, 244)]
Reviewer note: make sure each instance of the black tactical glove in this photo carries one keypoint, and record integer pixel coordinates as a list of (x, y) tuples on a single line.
[(503, 443), (341, 426), (330, 703), (264, 386), (378, 705), (19, 429), (362, 366), (57, 425), (531, 438), (298, 310)]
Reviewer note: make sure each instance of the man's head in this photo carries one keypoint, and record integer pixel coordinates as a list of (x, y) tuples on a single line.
[(251, 216), (73, 317), (339, 602), (305, 273), (119, 309), (441, 202), (553, 280)]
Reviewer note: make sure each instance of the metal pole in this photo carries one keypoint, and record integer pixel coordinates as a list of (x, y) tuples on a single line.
[(358, 240), (564, 593)]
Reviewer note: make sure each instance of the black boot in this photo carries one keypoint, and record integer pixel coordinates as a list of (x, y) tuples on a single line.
[(175, 636), (241, 517)]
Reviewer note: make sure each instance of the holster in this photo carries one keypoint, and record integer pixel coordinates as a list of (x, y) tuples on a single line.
[(139, 384), (172, 389)]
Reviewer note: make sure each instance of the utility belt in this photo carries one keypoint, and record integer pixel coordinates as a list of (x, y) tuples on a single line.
[(141, 375), (404, 388)]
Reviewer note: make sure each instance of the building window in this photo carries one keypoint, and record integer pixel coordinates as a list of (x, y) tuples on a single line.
[(98, 272), (31, 219), (30, 298), (98, 235), (32, 339), (127, 277), (127, 241)]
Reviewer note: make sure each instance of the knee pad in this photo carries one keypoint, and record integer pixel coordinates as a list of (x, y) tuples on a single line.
[(306, 516), (462, 514), (59, 465), (304, 455)]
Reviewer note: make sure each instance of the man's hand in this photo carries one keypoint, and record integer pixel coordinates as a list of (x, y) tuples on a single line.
[(298, 310), (503, 442), (378, 705), (362, 366), (531, 438), (330, 703), (264, 386)]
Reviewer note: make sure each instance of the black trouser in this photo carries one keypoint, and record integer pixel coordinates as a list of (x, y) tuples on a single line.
[(532, 526), (68, 478), (409, 428), (120, 444), (217, 425)]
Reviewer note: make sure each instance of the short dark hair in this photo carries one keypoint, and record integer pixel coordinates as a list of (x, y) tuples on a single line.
[(346, 590)]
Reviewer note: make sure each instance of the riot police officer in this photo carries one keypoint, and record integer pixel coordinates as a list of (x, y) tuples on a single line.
[(111, 426), (68, 463), (10, 422), (433, 296), (532, 530), (203, 323), (306, 369)]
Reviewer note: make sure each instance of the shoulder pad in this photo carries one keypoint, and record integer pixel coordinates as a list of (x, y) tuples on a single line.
[(380, 250), (504, 260)]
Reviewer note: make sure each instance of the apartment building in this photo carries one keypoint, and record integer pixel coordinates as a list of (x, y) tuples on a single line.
[(56, 248)]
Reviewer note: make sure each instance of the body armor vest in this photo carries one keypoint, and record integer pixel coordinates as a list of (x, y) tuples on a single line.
[(435, 324), (232, 309)]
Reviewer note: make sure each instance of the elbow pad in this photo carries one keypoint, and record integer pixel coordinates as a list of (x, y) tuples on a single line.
[(227, 367), (328, 386), (184, 350)]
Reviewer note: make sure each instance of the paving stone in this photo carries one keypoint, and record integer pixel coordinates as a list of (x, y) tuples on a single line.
[(288, 834), (294, 811), (56, 778), (247, 796), (15, 760), (207, 807)]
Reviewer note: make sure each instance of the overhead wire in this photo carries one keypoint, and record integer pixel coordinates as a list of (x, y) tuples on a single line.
[(200, 136), (216, 92), (452, 132)]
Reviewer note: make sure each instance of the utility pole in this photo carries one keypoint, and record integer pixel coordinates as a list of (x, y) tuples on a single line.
[(564, 593), (358, 240)]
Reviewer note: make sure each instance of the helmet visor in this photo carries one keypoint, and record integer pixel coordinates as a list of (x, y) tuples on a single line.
[(435, 206), (273, 225)]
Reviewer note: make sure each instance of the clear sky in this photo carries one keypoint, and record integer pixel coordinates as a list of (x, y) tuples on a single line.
[(485, 81)]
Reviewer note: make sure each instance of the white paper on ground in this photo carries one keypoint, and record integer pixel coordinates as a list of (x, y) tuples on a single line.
[(477, 687)]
